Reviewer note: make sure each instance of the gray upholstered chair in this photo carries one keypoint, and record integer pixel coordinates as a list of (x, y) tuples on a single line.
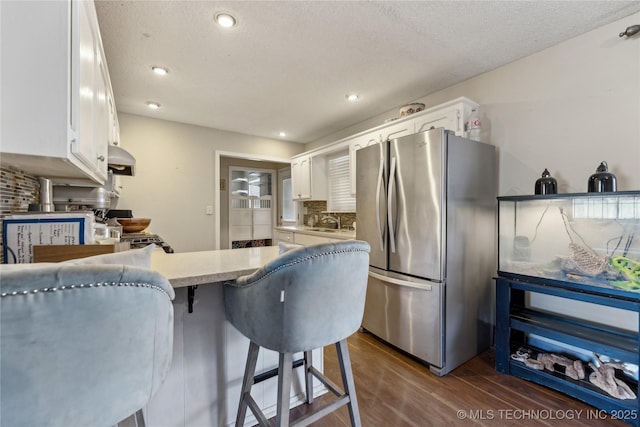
[(307, 298), (81, 345)]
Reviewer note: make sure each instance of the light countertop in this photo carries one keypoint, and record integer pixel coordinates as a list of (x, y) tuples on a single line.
[(317, 231), (199, 268)]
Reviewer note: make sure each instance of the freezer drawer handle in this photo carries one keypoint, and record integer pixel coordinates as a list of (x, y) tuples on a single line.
[(421, 286)]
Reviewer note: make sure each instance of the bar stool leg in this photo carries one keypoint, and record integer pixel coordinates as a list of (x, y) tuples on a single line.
[(247, 382), (347, 380), (285, 367), (308, 376)]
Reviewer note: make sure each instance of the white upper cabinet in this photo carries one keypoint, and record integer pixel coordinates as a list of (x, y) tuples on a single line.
[(397, 130), (356, 144), (301, 177), (56, 93), (391, 131), (309, 177), (451, 116)]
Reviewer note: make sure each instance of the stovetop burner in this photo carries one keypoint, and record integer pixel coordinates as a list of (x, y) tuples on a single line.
[(140, 240)]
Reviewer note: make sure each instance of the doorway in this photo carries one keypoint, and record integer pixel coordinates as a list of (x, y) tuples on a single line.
[(223, 162), (252, 211)]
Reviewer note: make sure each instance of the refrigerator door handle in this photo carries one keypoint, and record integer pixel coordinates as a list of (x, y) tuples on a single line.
[(378, 188), (400, 282), (392, 184)]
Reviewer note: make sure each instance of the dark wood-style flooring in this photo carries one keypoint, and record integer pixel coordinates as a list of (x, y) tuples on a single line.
[(395, 390)]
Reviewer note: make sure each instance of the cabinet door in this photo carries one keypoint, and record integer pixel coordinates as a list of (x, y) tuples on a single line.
[(82, 146), (301, 178), (101, 129), (283, 236), (308, 239), (449, 119), (356, 144), (114, 126), (62, 102), (397, 130)]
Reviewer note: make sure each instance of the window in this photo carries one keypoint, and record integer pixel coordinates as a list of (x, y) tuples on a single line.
[(340, 198)]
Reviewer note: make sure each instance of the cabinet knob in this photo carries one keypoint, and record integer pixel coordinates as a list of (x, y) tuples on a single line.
[(101, 158)]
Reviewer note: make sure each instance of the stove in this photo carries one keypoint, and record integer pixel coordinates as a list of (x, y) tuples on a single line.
[(140, 240)]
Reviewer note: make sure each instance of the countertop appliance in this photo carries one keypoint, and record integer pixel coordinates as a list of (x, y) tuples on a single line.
[(426, 204)]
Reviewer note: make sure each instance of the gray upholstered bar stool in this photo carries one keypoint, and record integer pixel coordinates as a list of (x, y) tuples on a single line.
[(82, 345), (307, 298)]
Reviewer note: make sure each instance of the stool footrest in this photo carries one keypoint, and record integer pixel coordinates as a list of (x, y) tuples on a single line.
[(321, 412), (263, 376)]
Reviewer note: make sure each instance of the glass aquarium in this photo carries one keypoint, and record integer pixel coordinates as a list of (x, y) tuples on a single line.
[(589, 238)]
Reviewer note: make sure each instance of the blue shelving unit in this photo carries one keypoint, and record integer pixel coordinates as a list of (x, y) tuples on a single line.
[(514, 321)]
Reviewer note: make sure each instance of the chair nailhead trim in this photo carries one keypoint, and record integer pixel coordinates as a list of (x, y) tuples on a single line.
[(299, 260), (82, 286)]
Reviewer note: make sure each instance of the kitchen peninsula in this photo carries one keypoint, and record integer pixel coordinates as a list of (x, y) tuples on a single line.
[(203, 384)]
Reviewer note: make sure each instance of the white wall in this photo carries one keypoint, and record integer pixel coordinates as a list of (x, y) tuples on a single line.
[(566, 108), (175, 179)]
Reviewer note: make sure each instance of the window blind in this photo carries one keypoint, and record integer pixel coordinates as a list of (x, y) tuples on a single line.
[(340, 198)]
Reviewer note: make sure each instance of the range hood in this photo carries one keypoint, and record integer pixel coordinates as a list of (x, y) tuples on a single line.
[(120, 161)]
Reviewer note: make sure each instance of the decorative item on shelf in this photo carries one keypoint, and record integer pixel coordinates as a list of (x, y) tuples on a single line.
[(408, 109), (602, 181), (572, 368), (473, 125), (546, 184), (630, 31), (604, 377)]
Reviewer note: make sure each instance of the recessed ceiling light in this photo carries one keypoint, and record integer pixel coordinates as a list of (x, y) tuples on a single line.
[(160, 71), (225, 20), (153, 105), (352, 97), (282, 134)]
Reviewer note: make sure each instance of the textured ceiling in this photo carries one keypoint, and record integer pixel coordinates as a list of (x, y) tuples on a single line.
[(287, 65)]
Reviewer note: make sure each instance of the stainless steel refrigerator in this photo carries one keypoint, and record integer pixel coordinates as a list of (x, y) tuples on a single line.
[(426, 204)]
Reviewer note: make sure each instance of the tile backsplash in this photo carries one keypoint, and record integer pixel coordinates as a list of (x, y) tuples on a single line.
[(17, 191), (318, 208)]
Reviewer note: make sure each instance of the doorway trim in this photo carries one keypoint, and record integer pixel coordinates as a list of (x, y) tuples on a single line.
[(216, 192)]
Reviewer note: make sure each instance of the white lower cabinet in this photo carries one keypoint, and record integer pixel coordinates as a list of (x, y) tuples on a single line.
[(283, 236), (308, 239)]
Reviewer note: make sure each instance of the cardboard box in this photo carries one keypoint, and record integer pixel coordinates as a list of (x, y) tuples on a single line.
[(57, 253)]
